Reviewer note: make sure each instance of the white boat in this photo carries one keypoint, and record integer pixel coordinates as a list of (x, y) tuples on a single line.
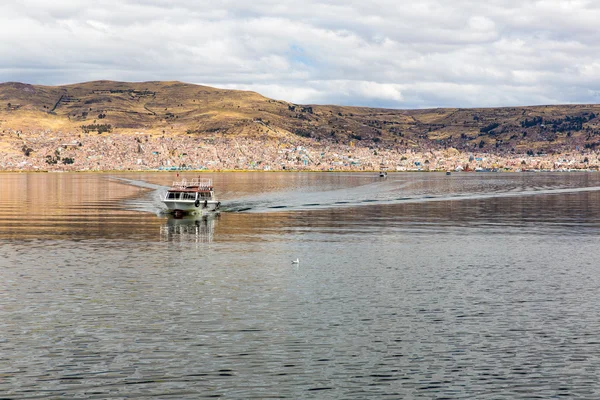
[(196, 196)]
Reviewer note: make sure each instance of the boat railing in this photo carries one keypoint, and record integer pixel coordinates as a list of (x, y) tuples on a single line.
[(199, 182)]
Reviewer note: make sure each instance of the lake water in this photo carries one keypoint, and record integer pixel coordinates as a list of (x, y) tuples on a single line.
[(474, 285)]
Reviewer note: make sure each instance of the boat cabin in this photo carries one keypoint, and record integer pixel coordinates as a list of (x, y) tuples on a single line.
[(195, 189)]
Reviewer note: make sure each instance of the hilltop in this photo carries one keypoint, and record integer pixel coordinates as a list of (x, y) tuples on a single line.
[(238, 129)]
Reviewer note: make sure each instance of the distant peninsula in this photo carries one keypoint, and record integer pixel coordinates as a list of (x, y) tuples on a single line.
[(106, 125)]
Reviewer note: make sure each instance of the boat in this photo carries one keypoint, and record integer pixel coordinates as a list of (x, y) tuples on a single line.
[(196, 196), (382, 170)]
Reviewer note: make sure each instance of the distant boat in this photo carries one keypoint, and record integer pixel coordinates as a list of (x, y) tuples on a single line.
[(448, 173), (382, 171)]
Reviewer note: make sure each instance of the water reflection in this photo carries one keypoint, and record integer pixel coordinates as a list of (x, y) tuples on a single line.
[(475, 286), (189, 229)]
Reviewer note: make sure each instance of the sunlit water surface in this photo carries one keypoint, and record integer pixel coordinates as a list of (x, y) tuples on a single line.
[(414, 286)]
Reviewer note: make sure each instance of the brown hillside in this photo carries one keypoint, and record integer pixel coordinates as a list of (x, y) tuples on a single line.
[(180, 108)]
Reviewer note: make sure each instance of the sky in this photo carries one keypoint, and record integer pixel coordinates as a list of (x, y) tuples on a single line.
[(380, 53)]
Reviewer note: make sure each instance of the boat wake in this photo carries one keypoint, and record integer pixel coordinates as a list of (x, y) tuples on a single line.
[(150, 202), (387, 192), (293, 203)]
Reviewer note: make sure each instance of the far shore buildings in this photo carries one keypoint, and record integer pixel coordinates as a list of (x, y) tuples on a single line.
[(56, 151)]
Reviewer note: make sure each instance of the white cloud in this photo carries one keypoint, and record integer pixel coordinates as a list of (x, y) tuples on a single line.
[(428, 53)]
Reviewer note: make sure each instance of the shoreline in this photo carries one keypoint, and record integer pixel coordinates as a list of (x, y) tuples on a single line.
[(137, 171)]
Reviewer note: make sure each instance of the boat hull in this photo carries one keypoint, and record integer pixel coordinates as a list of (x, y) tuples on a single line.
[(192, 206)]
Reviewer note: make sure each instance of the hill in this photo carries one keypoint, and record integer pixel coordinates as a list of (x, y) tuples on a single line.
[(176, 108), (31, 116)]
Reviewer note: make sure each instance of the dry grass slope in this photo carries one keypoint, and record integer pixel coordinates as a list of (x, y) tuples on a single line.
[(176, 108)]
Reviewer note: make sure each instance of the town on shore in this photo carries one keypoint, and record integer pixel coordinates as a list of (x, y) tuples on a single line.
[(46, 150)]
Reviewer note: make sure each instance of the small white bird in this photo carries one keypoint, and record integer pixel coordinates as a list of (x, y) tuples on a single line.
[(296, 261)]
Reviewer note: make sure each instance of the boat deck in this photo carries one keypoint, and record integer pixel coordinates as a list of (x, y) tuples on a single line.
[(193, 185)]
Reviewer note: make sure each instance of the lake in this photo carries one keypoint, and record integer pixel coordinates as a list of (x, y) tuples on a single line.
[(419, 285)]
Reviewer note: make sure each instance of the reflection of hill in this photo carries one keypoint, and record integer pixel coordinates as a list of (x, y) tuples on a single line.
[(199, 229), (69, 205)]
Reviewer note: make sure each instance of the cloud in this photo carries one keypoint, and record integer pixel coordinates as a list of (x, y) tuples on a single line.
[(430, 53), (320, 92)]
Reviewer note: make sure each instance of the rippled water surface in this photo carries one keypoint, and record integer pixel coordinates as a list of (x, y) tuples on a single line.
[(474, 285)]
